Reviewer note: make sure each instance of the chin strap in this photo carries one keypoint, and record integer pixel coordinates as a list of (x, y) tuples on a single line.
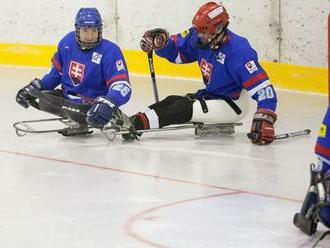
[(206, 44)]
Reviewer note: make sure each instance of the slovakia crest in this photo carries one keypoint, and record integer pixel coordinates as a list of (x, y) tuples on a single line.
[(251, 66), (120, 65), (206, 69), (76, 72)]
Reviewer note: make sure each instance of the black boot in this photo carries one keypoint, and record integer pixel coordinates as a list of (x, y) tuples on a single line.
[(307, 226)]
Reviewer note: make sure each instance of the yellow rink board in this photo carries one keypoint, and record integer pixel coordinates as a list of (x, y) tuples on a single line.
[(284, 76)]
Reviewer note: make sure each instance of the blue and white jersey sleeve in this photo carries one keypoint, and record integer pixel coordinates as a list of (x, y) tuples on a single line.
[(246, 69), (181, 48), (116, 76), (322, 147), (54, 76)]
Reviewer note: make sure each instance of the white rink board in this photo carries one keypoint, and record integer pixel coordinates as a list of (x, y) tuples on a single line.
[(303, 23)]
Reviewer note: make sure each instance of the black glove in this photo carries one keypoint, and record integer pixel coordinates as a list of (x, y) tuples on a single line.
[(262, 130), (23, 97), (154, 39), (101, 112)]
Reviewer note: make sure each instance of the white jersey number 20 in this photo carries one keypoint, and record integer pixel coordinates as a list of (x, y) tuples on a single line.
[(265, 93), (122, 88)]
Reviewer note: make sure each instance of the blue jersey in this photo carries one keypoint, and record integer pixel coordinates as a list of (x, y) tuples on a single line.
[(226, 70), (322, 147), (84, 75)]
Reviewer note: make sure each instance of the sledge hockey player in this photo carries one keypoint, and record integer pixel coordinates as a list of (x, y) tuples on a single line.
[(316, 205), (228, 65), (91, 71)]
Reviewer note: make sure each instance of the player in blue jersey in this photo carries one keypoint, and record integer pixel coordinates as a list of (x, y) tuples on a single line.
[(316, 206), (228, 65), (90, 71)]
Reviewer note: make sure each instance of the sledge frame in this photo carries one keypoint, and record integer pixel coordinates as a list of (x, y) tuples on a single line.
[(110, 132)]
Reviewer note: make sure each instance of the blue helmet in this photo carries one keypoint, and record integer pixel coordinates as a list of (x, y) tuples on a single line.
[(88, 18)]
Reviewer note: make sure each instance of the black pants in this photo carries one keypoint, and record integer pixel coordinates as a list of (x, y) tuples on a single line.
[(173, 110), (54, 103)]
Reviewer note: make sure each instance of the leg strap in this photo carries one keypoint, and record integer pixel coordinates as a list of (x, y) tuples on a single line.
[(233, 105), (203, 105)]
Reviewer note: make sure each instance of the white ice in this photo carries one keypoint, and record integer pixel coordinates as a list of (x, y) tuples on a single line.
[(169, 189)]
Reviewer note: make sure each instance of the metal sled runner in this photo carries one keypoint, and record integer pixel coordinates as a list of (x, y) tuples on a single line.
[(200, 129), (24, 127), (111, 131), (72, 117), (70, 114), (70, 128)]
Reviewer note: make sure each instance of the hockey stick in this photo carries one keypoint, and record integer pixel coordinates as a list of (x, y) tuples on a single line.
[(254, 135), (153, 76), (292, 134)]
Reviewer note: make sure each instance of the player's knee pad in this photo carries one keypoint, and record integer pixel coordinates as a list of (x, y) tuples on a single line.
[(178, 110), (219, 111), (172, 98)]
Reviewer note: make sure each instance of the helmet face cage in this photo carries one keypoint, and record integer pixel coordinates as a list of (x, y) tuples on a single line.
[(218, 38), (88, 18), (211, 21)]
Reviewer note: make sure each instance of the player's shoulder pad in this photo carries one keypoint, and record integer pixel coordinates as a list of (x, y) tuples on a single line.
[(239, 42), (68, 39), (240, 49), (110, 47)]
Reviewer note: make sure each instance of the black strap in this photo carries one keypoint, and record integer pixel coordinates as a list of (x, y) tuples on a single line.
[(33, 102), (233, 105), (204, 106), (227, 99)]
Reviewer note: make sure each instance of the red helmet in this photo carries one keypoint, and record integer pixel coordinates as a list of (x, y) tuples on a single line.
[(210, 18)]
